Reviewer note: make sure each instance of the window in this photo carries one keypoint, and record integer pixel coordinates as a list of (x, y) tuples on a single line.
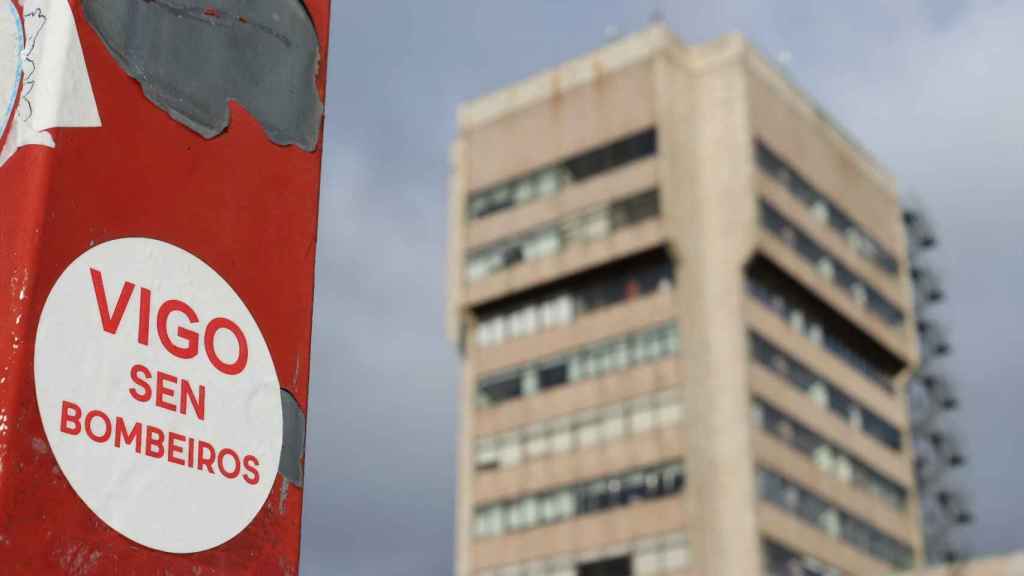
[(510, 451), (830, 459), (580, 499), (584, 429), (781, 561), (554, 375), (803, 311), (501, 389), (591, 225), (641, 415), (829, 267), (561, 436), (593, 361), (550, 181), (648, 559), (589, 430), (824, 210), (833, 520), (537, 441), (486, 454), (670, 408), (660, 555), (614, 423), (834, 399), (613, 567)]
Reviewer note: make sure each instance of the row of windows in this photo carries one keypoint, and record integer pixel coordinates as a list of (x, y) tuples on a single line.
[(592, 361), (781, 561), (663, 554), (834, 521), (585, 429), (581, 499), (825, 210), (829, 458), (550, 181), (588, 226), (829, 267), (823, 392), (811, 324), (560, 306)]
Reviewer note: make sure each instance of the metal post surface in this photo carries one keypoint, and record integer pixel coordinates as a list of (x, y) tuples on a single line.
[(237, 200)]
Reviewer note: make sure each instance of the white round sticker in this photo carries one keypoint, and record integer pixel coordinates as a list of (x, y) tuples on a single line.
[(158, 395)]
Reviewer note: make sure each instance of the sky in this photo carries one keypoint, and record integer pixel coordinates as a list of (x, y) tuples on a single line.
[(931, 87)]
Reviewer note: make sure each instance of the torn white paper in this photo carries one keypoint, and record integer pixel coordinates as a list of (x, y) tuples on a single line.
[(11, 42), (55, 87)]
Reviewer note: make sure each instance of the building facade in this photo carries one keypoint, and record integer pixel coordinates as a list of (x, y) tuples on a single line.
[(683, 304)]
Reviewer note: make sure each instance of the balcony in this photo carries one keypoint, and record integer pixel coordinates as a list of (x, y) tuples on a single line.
[(776, 453), (827, 211), (801, 537), (778, 293), (836, 522), (832, 283), (838, 431)]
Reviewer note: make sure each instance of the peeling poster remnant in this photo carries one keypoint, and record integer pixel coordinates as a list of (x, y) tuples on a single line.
[(41, 54), (10, 60), (193, 56), (293, 445)]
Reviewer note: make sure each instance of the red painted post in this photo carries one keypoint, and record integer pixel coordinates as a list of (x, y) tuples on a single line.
[(237, 205)]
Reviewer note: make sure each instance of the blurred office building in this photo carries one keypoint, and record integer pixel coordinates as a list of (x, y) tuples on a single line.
[(686, 315)]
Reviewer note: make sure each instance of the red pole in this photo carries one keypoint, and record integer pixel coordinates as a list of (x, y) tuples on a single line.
[(160, 269)]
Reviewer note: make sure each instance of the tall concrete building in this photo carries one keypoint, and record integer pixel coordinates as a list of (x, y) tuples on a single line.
[(683, 304)]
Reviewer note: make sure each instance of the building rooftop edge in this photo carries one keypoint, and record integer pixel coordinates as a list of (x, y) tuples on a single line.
[(638, 47), (579, 71), (803, 97)]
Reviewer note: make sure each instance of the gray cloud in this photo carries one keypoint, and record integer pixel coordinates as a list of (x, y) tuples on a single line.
[(928, 86)]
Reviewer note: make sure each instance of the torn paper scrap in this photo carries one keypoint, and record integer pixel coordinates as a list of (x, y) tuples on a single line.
[(11, 42), (55, 87)]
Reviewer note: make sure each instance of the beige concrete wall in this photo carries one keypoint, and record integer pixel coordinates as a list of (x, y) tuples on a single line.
[(566, 124), (797, 130), (706, 174)]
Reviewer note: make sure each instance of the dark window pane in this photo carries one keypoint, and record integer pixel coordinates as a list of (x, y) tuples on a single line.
[(554, 375), (613, 567)]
